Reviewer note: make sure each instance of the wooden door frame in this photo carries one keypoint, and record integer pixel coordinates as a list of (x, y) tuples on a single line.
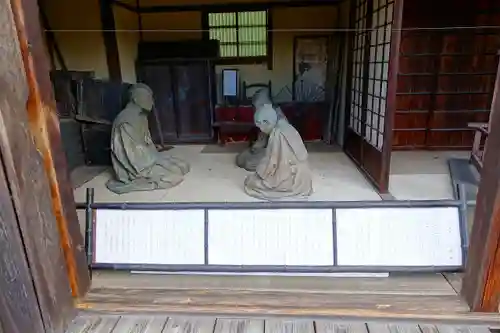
[(381, 178), (481, 282), (44, 128), (28, 210)]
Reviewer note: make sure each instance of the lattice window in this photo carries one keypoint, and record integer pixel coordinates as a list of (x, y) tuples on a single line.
[(370, 66), (240, 34), (378, 71), (355, 121)]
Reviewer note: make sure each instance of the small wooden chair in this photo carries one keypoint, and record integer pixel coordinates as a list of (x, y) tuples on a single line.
[(245, 98)]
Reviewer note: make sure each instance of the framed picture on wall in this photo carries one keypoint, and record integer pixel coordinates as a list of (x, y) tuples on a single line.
[(230, 84), (310, 68)]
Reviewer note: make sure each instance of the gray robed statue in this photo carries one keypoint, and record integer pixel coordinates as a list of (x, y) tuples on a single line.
[(137, 164), (250, 157), (283, 171)]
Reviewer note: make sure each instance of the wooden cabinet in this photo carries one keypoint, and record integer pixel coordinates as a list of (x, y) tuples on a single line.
[(182, 94)]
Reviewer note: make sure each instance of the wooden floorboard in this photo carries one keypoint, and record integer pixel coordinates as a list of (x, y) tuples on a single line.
[(416, 298), (258, 303), (192, 324), (455, 280), (424, 284)]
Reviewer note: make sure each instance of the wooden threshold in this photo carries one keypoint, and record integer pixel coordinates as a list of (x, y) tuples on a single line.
[(427, 298)]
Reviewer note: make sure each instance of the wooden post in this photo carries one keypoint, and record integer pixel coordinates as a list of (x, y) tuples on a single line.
[(19, 310), (481, 282), (44, 128), (35, 291), (110, 43)]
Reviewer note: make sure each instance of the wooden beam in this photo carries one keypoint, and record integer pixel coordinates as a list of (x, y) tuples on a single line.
[(51, 39), (392, 88), (236, 7), (110, 43), (481, 283), (44, 129), (125, 5)]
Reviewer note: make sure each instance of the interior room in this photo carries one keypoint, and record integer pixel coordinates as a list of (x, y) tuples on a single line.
[(204, 61)]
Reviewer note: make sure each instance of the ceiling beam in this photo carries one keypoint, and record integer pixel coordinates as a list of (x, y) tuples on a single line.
[(125, 5), (226, 6)]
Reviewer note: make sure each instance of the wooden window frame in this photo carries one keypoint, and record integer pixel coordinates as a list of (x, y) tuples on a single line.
[(268, 58)]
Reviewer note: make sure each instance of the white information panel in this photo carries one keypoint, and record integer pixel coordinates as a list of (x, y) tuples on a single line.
[(398, 237), (169, 237), (277, 237)]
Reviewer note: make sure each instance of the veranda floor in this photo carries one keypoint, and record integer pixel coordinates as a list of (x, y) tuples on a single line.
[(429, 298), (189, 324)]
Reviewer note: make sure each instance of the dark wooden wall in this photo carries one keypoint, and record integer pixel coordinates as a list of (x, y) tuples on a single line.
[(446, 76)]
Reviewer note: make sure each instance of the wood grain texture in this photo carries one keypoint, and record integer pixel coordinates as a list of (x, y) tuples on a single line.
[(462, 329), (239, 326), (141, 324), (44, 128), (158, 324), (455, 280), (324, 326), (27, 180), (110, 42), (426, 328), (392, 84), (253, 303), (94, 324), (289, 326), (445, 78), (393, 328), (189, 325), (19, 310), (481, 282), (428, 284)]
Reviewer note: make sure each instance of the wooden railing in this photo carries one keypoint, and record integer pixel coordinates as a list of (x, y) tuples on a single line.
[(480, 137)]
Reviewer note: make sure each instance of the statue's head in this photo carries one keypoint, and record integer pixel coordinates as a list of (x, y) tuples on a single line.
[(266, 118), (142, 96), (261, 97)]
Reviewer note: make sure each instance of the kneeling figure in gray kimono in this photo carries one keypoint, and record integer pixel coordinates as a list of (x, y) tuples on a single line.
[(283, 172), (137, 164), (250, 157)]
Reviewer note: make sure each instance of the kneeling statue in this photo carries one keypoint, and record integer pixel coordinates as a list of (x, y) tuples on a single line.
[(250, 157), (283, 172), (137, 164)]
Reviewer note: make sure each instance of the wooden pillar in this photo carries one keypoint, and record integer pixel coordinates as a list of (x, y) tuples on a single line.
[(481, 282), (19, 310), (110, 43), (35, 290), (44, 128)]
